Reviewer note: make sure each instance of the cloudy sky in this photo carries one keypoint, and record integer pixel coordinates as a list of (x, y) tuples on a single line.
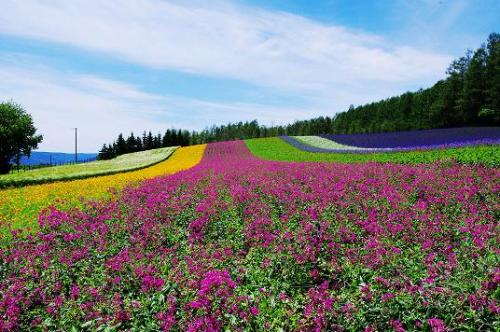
[(119, 66)]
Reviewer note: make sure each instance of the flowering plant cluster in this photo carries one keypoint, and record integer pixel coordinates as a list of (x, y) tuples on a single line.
[(420, 138), (237, 243), (124, 163), (287, 148), (20, 207), (324, 145)]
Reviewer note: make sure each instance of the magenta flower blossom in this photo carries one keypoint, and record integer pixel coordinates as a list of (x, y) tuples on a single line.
[(254, 311), (397, 326), (436, 324), (75, 291), (152, 283)]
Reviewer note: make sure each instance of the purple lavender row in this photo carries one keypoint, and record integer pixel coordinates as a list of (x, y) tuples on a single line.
[(418, 138), (310, 148)]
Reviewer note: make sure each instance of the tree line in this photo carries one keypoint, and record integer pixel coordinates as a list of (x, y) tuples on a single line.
[(468, 96), (171, 137)]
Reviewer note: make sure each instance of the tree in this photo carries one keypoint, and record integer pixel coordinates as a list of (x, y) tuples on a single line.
[(17, 134), (144, 140), (474, 88), (166, 139), (138, 144), (105, 153), (149, 142), (173, 138), (121, 145), (131, 143), (492, 82), (157, 141)]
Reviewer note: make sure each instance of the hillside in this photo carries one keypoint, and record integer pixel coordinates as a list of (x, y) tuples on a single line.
[(221, 233), (123, 163)]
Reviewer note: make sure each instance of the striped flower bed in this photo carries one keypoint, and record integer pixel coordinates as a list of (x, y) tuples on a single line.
[(388, 142), (450, 137)]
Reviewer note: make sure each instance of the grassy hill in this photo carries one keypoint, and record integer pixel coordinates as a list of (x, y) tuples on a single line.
[(275, 148), (123, 163)]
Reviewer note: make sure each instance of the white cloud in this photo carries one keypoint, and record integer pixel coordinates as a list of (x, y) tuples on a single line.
[(58, 104), (266, 48), (102, 108), (328, 66)]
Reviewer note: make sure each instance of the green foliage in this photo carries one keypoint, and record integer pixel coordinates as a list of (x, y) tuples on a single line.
[(473, 83), (489, 114), (276, 149), (172, 137), (492, 76), (17, 134)]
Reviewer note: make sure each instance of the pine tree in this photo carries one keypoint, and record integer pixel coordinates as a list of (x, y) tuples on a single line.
[(103, 153), (138, 144), (131, 143), (193, 139), (185, 138), (144, 141), (149, 141), (157, 141), (121, 145), (173, 137), (165, 139)]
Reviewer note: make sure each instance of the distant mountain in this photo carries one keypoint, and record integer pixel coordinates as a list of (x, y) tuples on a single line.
[(39, 157)]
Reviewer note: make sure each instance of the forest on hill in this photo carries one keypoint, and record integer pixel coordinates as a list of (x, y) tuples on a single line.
[(468, 96)]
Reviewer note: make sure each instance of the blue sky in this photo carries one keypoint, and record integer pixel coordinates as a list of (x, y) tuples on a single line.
[(110, 67)]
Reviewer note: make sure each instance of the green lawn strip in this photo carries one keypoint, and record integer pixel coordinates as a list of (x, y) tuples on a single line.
[(124, 163), (275, 148), (324, 143)]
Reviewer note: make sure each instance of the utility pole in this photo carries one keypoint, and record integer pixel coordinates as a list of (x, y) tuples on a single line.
[(76, 145)]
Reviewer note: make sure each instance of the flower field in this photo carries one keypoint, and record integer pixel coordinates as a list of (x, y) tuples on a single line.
[(126, 162), (323, 144), (19, 207), (238, 243), (421, 138), (289, 149), (397, 142)]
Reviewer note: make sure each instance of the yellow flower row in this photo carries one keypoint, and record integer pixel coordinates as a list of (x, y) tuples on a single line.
[(19, 207)]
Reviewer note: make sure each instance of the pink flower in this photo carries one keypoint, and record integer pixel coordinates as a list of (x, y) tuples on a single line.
[(215, 279), (196, 304), (397, 326), (254, 311), (75, 291), (388, 296), (151, 283), (436, 324)]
